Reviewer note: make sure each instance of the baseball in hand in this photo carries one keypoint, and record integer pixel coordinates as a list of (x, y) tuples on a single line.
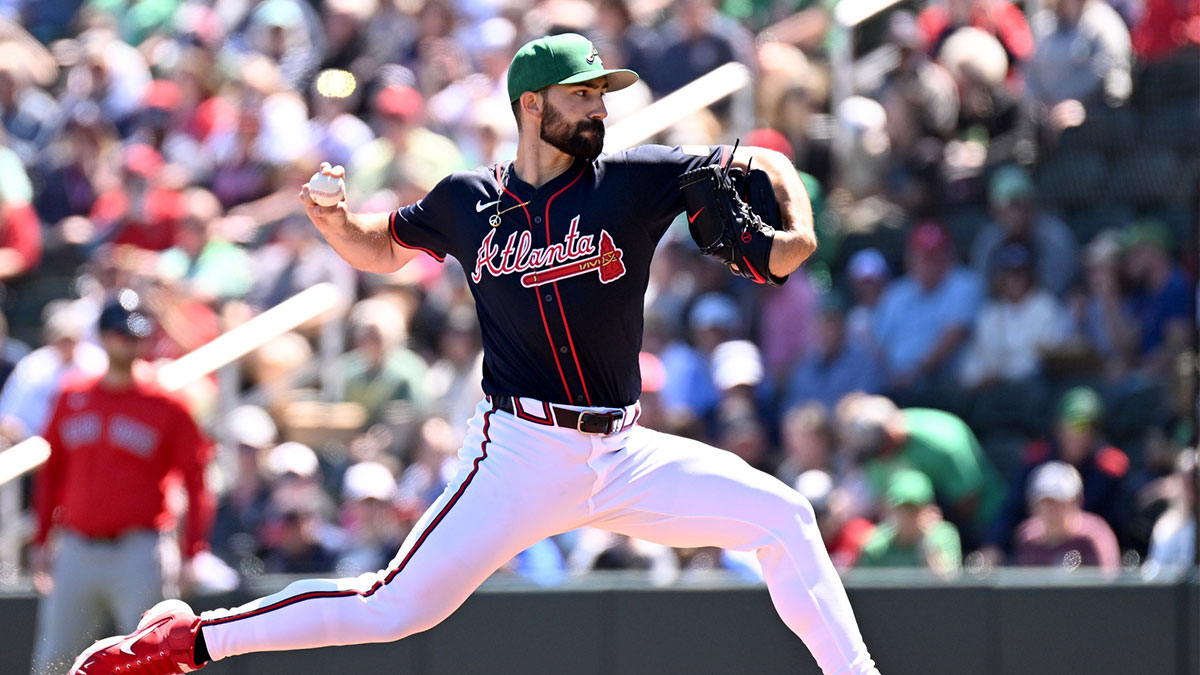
[(326, 189)]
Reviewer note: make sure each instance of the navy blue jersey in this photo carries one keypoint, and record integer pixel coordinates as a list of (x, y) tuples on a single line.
[(559, 272)]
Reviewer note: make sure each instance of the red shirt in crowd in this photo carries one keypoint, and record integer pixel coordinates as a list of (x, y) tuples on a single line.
[(114, 456), (151, 224), (999, 18), (1165, 26), (21, 231)]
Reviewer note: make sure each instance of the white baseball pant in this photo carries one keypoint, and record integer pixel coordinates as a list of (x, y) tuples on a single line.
[(521, 480)]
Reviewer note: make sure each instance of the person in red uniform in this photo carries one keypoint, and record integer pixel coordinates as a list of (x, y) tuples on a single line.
[(118, 446)]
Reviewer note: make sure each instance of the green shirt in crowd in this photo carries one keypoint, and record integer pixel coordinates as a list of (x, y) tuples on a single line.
[(882, 549), (943, 447)]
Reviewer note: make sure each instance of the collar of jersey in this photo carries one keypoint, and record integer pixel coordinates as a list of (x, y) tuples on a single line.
[(520, 187)]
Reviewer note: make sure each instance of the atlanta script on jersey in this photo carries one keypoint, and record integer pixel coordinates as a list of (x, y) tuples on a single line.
[(552, 279)]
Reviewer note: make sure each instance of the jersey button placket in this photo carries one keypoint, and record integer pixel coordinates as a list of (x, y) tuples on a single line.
[(548, 298)]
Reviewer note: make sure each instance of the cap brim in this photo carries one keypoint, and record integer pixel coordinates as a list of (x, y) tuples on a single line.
[(618, 78)]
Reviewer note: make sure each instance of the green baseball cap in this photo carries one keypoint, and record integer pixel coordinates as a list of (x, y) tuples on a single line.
[(1010, 184), (1080, 406), (909, 487), (568, 58)]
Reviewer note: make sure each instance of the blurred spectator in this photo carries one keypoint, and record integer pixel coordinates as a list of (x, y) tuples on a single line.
[(109, 73), (887, 439), (925, 317), (296, 259), (1018, 219), (30, 392), (787, 323), (28, 113), (242, 507), (1077, 440), (689, 388), (869, 274), (1099, 309), (453, 383), (204, 258), (20, 241), (913, 534), (923, 85), (993, 123), (695, 42), (118, 445), (628, 43), (1166, 28), (844, 532), (1082, 54), (1160, 300), (430, 467), (375, 528), (295, 534), (999, 18), (70, 168), (1173, 542), (740, 431), (407, 157), (808, 441), (1060, 532), (380, 373), (141, 211), (835, 366), (1016, 326), (289, 33)]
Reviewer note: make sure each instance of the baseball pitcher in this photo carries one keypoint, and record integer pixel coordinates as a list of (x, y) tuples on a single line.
[(557, 246)]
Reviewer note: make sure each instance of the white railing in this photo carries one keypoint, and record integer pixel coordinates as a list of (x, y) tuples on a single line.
[(726, 80)]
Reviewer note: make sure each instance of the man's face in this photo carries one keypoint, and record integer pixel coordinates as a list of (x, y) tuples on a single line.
[(928, 267), (573, 119), (122, 349)]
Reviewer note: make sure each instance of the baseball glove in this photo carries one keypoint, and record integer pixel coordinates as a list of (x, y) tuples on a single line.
[(725, 226)]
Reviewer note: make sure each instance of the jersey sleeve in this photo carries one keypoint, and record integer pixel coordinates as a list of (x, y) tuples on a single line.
[(423, 225), (653, 172)]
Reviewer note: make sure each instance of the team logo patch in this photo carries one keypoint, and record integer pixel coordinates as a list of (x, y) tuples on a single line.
[(594, 56), (574, 256)]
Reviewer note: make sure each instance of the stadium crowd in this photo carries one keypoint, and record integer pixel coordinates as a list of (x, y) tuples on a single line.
[(985, 363)]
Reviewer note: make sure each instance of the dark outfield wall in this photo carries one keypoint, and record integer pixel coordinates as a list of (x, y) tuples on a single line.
[(926, 630)]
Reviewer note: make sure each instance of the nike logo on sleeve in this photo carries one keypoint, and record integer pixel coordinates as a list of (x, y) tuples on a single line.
[(480, 206)]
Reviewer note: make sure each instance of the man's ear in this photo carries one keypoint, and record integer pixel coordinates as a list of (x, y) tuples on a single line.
[(531, 102)]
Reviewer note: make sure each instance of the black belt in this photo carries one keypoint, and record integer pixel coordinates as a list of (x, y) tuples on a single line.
[(583, 421)]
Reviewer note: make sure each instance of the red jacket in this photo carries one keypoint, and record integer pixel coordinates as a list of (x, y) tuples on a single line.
[(114, 456)]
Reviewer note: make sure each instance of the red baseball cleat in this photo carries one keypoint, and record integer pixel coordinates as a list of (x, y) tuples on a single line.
[(161, 645)]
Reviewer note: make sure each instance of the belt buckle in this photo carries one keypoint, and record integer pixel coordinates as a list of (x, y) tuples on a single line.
[(612, 417)]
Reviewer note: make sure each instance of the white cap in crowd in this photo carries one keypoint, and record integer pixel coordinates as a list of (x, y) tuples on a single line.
[(294, 458), (1055, 480), (369, 480)]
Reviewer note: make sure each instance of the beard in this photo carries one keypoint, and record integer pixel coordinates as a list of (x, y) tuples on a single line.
[(583, 139)]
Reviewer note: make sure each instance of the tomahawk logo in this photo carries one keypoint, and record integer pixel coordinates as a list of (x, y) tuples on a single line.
[(576, 255)]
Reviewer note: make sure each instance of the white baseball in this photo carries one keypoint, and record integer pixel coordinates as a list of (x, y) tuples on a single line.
[(326, 190)]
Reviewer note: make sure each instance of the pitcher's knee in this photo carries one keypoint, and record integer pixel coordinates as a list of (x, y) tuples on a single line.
[(788, 515)]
